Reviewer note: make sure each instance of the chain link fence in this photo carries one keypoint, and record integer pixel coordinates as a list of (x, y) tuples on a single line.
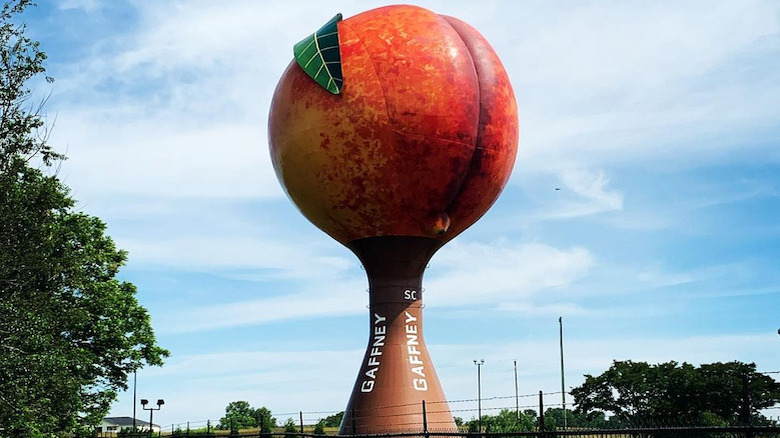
[(542, 416)]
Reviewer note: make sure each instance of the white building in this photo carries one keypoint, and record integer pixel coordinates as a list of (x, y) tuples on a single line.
[(115, 424)]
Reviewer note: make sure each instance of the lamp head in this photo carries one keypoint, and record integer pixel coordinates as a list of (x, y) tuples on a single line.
[(160, 402), (144, 402)]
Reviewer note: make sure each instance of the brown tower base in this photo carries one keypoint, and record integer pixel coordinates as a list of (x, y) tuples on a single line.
[(397, 373)]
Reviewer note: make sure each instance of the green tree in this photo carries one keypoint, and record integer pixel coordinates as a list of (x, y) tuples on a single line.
[(722, 384), (265, 417), (333, 420), (505, 421), (290, 428), (319, 428), (238, 415), (554, 419), (70, 332), (638, 393)]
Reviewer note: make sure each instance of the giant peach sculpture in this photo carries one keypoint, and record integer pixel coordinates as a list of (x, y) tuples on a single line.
[(393, 131)]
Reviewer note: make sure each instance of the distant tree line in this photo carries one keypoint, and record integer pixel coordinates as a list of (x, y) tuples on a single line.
[(241, 415), (631, 394), (510, 420), (628, 394), (637, 393)]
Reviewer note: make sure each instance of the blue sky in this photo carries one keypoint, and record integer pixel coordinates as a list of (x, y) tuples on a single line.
[(657, 120)]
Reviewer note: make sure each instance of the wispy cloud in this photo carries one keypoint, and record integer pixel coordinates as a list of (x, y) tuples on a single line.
[(504, 276), (585, 192), (471, 273), (120, 157), (287, 259), (337, 299), (592, 110), (87, 5)]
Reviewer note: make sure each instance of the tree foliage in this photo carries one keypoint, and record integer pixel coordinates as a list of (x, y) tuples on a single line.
[(333, 420), (264, 416), (554, 419), (290, 428), (70, 332), (508, 420), (505, 421), (22, 133), (319, 428), (241, 415), (671, 393)]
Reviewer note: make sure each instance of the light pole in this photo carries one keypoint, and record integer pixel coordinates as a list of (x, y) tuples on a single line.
[(517, 396), (563, 385), (134, 399), (145, 402), (479, 391)]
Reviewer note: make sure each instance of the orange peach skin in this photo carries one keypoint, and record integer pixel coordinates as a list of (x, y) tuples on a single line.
[(422, 137)]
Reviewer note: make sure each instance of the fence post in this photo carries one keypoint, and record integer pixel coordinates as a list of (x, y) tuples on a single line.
[(354, 428), (262, 424), (425, 420), (541, 414), (208, 427), (188, 428), (301, 414)]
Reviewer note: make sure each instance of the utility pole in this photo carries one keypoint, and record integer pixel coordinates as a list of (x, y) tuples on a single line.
[(517, 396), (563, 383), (479, 390), (135, 377)]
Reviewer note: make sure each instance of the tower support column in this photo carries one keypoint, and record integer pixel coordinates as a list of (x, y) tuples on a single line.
[(397, 372)]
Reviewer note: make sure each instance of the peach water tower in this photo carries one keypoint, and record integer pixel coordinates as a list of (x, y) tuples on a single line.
[(393, 131)]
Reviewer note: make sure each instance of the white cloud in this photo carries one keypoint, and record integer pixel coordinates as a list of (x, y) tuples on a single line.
[(87, 5), (483, 274), (472, 274), (657, 277), (337, 298), (544, 310), (230, 253), (120, 157), (656, 42), (602, 84), (593, 186), (584, 193)]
